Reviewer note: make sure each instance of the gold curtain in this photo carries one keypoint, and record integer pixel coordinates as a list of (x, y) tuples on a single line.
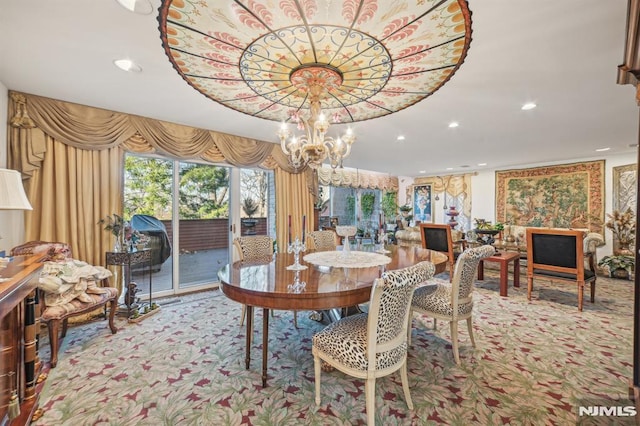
[(70, 193), (293, 199)]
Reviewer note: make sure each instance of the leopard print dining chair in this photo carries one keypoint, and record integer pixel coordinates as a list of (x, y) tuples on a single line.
[(373, 344), (323, 240), (453, 301), (256, 248)]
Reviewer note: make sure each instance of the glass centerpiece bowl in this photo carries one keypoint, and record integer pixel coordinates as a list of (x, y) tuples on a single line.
[(346, 231)]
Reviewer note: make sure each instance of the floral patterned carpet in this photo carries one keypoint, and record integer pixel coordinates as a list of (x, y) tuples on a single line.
[(535, 363)]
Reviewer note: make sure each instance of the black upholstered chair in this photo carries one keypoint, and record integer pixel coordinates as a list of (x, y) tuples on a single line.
[(558, 255), (438, 238)]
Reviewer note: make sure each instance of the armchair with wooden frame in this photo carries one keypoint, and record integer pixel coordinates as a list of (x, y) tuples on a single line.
[(558, 255), (438, 237)]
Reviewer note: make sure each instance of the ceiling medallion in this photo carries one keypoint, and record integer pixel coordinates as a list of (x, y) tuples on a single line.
[(249, 54)]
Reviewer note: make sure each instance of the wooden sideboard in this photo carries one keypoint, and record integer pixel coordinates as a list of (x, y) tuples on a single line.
[(20, 365)]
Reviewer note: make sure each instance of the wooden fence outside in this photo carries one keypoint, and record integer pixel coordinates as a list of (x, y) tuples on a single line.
[(206, 234)]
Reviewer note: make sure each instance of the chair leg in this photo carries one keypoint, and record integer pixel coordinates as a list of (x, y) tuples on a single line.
[(370, 396), (65, 323), (295, 319), (409, 326), (593, 291), (54, 326), (318, 370), (470, 328), (405, 385), (435, 324), (580, 295), (529, 287), (113, 306), (454, 340)]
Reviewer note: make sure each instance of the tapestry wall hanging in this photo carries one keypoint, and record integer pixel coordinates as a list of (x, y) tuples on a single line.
[(561, 196)]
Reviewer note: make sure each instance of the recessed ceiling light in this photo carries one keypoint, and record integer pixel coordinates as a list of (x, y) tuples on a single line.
[(141, 7), (453, 124), (449, 168), (602, 149), (528, 106), (422, 171), (464, 166), (400, 138), (127, 65), (482, 164)]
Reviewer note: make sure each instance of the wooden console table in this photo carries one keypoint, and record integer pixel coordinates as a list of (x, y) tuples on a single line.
[(20, 364)]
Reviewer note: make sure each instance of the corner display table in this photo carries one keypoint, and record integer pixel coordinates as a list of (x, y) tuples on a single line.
[(503, 258), (126, 259), (20, 365)]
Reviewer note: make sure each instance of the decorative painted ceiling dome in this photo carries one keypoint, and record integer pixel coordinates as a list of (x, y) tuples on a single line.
[(367, 58)]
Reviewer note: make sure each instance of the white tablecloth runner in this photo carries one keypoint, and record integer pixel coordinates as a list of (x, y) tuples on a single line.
[(353, 259)]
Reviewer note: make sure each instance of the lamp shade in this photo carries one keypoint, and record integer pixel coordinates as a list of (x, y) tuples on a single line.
[(12, 195)]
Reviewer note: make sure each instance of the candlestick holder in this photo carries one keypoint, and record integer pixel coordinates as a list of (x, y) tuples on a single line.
[(383, 245), (297, 286), (296, 247), (346, 232)]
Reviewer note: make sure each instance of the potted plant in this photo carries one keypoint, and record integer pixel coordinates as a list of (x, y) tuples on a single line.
[(623, 227), (620, 266)]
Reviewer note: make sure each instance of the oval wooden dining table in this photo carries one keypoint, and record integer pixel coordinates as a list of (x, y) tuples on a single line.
[(268, 284)]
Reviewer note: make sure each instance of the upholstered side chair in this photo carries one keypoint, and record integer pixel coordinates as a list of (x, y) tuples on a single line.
[(57, 317), (452, 301), (374, 344), (437, 237), (558, 255), (322, 240)]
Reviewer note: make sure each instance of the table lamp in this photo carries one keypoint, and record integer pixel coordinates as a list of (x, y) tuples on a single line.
[(12, 195)]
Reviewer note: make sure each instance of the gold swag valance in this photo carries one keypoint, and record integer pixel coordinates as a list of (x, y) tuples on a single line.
[(93, 128)]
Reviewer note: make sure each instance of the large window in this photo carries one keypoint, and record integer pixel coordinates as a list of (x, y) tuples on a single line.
[(351, 206)]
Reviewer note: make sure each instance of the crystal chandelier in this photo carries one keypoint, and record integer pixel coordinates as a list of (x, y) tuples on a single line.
[(314, 147)]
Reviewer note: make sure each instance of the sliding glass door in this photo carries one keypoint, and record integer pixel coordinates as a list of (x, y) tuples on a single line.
[(190, 211)]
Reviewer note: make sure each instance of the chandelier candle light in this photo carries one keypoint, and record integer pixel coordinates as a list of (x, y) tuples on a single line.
[(312, 148)]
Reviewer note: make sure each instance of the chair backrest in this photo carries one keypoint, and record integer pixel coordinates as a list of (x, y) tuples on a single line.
[(254, 247), (322, 240), (465, 272), (50, 250), (389, 308), (437, 237), (556, 251)]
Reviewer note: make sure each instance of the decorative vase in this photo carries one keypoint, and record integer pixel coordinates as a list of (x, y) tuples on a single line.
[(623, 249), (620, 273), (120, 245), (453, 214)]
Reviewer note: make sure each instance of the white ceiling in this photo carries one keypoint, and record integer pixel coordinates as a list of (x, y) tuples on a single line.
[(561, 54)]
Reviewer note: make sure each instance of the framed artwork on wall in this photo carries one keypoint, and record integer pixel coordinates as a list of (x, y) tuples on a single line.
[(422, 203)]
